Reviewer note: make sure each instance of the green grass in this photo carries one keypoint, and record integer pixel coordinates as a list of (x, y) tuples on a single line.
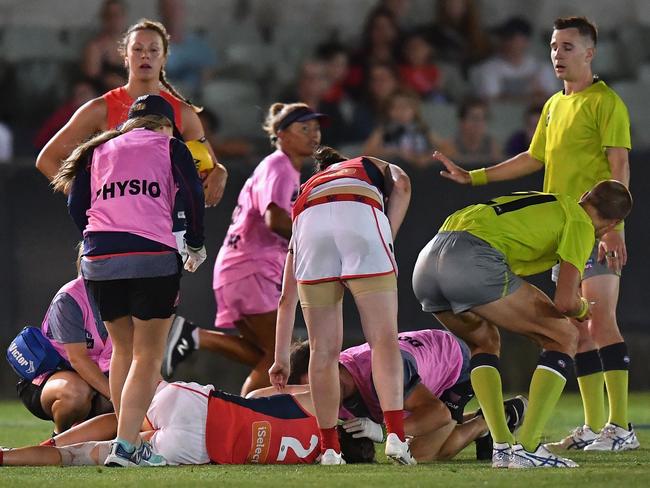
[(625, 469)]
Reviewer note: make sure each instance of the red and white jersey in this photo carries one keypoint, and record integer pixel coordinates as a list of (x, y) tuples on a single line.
[(272, 430), (352, 170)]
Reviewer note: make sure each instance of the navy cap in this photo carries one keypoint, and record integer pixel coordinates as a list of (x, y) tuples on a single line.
[(302, 114), (154, 105), (151, 105)]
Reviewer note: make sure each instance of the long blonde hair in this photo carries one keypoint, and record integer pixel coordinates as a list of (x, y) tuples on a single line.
[(64, 178), (147, 24)]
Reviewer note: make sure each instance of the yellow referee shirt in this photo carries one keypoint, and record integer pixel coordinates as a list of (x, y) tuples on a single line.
[(533, 230), (572, 135)]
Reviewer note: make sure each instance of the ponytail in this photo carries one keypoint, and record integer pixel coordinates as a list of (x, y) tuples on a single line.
[(174, 91), (325, 156)]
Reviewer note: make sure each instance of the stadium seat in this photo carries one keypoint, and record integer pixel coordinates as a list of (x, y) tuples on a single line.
[(441, 118), (237, 102), (243, 119), (607, 62), (230, 91), (505, 118), (28, 42)]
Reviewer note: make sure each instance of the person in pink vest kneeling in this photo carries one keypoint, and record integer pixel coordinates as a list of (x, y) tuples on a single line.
[(79, 390)]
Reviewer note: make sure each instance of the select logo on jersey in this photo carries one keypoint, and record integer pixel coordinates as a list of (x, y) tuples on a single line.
[(548, 117), (130, 187), (260, 442)]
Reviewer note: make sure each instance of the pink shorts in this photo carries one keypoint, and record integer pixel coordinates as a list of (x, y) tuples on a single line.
[(251, 295)]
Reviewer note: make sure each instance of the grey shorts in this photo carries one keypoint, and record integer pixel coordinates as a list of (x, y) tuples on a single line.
[(592, 268), (457, 271)]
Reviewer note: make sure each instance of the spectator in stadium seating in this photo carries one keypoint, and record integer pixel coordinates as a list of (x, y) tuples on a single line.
[(248, 269), (310, 86), (403, 136), (469, 277), (342, 238), (102, 62), (197, 424), (132, 266), (514, 73), (82, 91), (336, 101), (436, 389), (458, 34), (382, 82), (380, 43), (79, 391), (418, 70), (519, 141), (400, 10), (191, 59), (473, 144), (144, 49)]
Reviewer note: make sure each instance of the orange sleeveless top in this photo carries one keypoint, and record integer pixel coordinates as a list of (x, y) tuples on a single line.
[(118, 102)]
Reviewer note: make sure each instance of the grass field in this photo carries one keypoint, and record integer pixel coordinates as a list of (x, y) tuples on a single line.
[(625, 469)]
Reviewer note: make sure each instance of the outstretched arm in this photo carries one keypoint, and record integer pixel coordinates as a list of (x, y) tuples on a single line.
[(520, 165)]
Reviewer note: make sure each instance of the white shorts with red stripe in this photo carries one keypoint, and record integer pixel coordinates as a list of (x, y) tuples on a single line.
[(178, 413), (342, 240)]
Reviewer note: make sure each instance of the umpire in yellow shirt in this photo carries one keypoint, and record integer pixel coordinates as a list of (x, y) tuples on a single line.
[(468, 276), (582, 137)]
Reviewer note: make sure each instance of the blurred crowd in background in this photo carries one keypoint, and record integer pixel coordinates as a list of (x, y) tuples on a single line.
[(399, 78)]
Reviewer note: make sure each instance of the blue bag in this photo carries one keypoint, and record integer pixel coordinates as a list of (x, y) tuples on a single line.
[(31, 354)]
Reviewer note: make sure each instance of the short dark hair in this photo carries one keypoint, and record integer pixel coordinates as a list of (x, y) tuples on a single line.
[(611, 199), (585, 27), (299, 361), (361, 450), (469, 103)]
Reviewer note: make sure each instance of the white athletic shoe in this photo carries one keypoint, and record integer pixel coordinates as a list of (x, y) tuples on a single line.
[(539, 458), (579, 439), (398, 450), (331, 458), (501, 455), (614, 438)]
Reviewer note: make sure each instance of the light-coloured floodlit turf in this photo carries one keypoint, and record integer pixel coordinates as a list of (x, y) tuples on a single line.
[(617, 470)]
